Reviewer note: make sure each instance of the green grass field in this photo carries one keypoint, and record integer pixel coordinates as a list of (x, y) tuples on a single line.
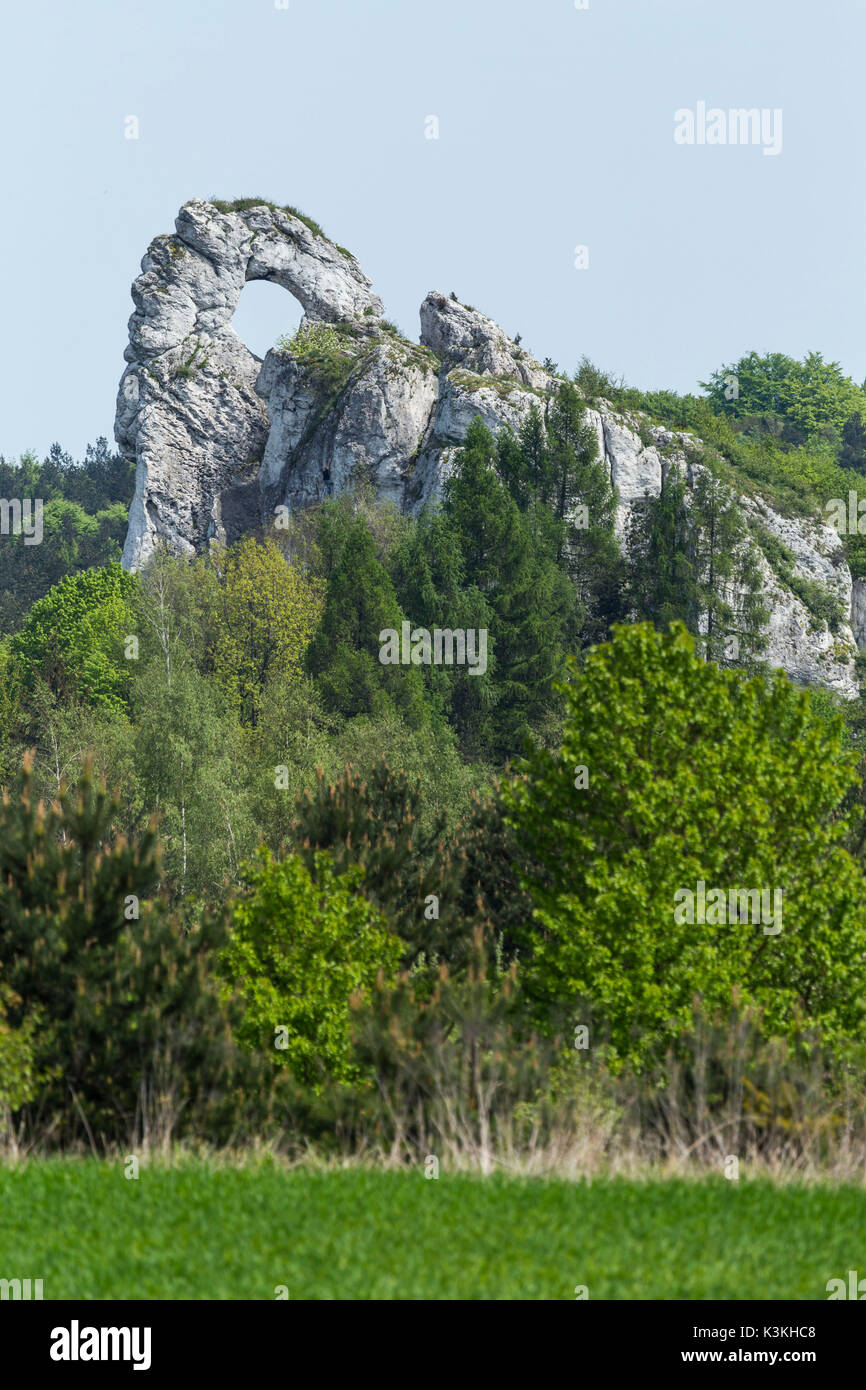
[(236, 1233)]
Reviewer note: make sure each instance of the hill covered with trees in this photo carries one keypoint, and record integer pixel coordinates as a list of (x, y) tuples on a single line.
[(257, 880)]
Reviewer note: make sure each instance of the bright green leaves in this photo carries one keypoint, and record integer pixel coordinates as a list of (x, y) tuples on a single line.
[(73, 638), (693, 774), (301, 945)]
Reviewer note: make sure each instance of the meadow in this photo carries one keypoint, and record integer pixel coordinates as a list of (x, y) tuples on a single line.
[(200, 1230)]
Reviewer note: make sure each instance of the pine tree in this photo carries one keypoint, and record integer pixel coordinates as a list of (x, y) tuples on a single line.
[(127, 1004), (728, 581), (662, 584), (585, 504), (852, 450)]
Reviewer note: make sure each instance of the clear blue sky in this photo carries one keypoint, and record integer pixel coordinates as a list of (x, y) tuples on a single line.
[(556, 129)]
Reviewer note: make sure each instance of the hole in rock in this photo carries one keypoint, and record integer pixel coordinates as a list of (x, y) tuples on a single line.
[(265, 313)]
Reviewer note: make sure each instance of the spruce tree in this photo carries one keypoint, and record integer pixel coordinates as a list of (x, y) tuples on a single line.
[(530, 601), (360, 603), (691, 559)]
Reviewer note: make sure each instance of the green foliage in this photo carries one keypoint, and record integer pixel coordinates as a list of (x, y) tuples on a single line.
[(798, 473), (327, 355), (267, 611), (708, 777), (454, 1067), (84, 522), (428, 568), (852, 450), (824, 605), (553, 471), (189, 767), (73, 638), (245, 204), (360, 604), (588, 550), (594, 383), (516, 589), (99, 481), (809, 397), (494, 862), (661, 571), (18, 1079), (691, 559), (72, 541), (298, 736), (121, 993), (300, 946), (728, 578), (264, 660), (374, 820)]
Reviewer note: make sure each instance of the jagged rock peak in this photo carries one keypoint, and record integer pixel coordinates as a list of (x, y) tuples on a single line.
[(461, 335)]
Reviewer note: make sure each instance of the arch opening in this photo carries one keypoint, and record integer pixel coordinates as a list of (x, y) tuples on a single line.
[(265, 313)]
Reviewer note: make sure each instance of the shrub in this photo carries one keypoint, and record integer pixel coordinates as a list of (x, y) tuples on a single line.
[(17, 1060), (372, 819), (326, 355), (300, 945)]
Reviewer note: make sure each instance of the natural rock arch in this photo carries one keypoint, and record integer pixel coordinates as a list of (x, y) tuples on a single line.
[(187, 408)]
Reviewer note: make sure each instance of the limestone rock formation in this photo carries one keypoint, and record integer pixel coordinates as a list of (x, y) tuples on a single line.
[(222, 438), (187, 406), (461, 335)]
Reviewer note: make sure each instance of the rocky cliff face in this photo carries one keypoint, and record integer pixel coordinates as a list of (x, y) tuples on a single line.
[(187, 407), (222, 438)]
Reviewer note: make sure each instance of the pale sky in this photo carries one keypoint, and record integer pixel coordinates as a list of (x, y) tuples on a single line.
[(556, 130)]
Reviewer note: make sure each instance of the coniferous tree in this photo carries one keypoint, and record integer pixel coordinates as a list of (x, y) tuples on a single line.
[(728, 581), (585, 505), (530, 601), (429, 574), (662, 587), (372, 819), (852, 450), (124, 994), (360, 604), (691, 560)]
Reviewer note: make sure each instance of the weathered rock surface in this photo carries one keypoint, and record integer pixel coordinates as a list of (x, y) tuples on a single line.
[(222, 438), (371, 426), (459, 334), (187, 407), (807, 649)]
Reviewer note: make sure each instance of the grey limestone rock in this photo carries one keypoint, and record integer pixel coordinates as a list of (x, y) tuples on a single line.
[(221, 438)]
